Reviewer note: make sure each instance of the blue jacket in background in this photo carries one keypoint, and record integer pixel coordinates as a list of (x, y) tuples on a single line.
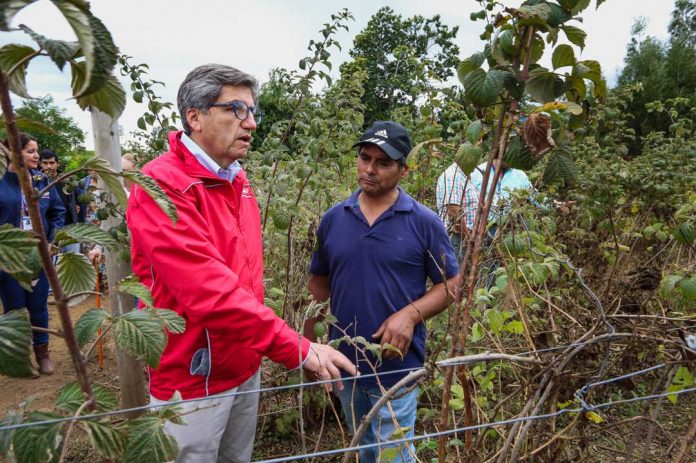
[(50, 204)]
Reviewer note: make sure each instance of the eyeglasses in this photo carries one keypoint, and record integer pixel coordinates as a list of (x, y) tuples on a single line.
[(241, 110)]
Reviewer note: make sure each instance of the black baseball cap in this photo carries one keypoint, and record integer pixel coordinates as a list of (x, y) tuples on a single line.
[(390, 137)]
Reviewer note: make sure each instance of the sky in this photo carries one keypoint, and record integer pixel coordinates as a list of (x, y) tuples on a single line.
[(174, 36)]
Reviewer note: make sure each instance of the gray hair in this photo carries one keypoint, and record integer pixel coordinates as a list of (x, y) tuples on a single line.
[(203, 85)]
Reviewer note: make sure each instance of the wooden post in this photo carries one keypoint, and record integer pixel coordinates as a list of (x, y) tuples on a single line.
[(130, 371)]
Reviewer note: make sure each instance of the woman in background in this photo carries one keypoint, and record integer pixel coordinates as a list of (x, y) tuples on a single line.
[(13, 210)]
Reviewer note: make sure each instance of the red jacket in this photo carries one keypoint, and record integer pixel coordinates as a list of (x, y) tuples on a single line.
[(209, 269)]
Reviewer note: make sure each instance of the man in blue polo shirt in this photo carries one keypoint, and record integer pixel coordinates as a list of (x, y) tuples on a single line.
[(375, 252)]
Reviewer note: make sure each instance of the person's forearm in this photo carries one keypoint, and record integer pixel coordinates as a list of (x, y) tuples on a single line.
[(434, 301)]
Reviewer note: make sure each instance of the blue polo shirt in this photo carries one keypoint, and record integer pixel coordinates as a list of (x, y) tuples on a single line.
[(377, 270)]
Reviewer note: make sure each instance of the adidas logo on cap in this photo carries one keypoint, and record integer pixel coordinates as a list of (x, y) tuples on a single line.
[(390, 137)]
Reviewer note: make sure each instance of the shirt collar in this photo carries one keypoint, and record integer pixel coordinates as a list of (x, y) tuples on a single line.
[(206, 161), (404, 202)]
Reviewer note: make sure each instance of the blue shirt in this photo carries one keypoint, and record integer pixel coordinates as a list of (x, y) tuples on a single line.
[(509, 180), (206, 161), (375, 271)]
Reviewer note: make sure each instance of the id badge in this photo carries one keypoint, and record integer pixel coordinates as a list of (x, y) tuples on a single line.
[(26, 223)]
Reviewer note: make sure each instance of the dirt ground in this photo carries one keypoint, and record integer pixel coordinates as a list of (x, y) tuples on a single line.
[(44, 390)]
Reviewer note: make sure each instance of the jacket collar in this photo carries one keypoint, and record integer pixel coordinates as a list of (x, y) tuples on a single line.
[(193, 167)]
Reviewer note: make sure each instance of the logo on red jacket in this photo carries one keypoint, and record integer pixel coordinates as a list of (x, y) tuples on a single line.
[(247, 191)]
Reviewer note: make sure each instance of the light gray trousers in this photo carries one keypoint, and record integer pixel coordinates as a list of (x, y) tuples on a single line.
[(221, 429)]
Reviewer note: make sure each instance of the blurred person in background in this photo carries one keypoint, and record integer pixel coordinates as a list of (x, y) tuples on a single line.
[(14, 210)]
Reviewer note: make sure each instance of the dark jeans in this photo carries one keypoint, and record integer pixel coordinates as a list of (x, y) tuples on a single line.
[(488, 264), (459, 247), (15, 297)]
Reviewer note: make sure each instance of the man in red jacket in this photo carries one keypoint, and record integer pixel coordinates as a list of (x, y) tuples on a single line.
[(208, 267)]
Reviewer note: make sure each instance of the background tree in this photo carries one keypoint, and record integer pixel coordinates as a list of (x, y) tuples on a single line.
[(664, 70), (276, 103), (401, 56), (67, 136)]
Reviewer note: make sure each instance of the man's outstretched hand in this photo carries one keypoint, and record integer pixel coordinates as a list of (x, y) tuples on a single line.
[(326, 362)]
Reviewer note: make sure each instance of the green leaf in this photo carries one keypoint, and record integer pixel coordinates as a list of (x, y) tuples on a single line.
[(573, 108), (557, 15), (469, 65), (96, 45), (495, 319), (75, 273), (15, 339), (594, 417), (575, 6), (483, 87), (148, 441), (110, 98), (577, 89), (71, 398), (59, 51), (476, 332), (171, 320), (515, 244), (668, 284), (131, 285), (559, 166), (88, 324), (110, 178), (155, 191), (142, 335), (387, 346), (537, 49), (474, 132), (468, 157), (388, 455), (105, 439), (518, 156), (673, 397), (544, 86), (575, 35), (39, 443), (16, 246), (400, 432), (14, 60), (9, 9), (456, 404), (682, 379), (541, 10), (515, 327), (688, 288), (563, 56), (319, 329), (78, 232), (594, 72), (684, 233), (506, 41)]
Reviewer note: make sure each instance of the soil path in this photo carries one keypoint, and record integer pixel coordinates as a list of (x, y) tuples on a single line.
[(45, 389)]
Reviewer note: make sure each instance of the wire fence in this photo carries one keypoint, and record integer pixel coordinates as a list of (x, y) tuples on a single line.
[(579, 395), (449, 432), (286, 387)]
